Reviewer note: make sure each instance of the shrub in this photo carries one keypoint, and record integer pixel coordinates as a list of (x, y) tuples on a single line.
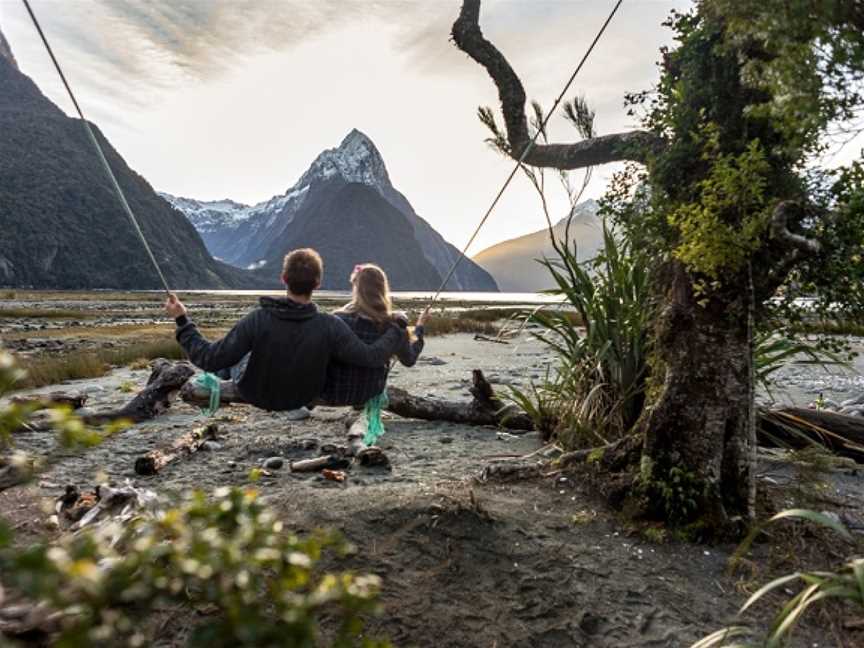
[(599, 388), (227, 557)]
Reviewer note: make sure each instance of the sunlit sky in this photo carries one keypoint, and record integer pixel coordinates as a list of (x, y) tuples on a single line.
[(215, 99)]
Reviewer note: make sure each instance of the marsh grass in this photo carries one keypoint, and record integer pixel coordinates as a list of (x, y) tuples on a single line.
[(44, 313), (54, 369), (448, 324)]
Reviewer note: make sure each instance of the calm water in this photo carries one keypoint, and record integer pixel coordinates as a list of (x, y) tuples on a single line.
[(473, 297)]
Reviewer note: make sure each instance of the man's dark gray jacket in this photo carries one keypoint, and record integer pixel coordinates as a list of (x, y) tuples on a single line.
[(291, 345)]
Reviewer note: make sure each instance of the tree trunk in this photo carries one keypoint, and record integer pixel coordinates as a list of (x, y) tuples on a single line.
[(699, 451)]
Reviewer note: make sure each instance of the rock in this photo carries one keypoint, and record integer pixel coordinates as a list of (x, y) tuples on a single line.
[(94, 389), (210, 446), (273, 463), (85, 411), (433, 361)]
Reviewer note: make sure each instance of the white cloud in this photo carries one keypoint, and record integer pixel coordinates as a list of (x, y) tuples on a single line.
[(222, 98)]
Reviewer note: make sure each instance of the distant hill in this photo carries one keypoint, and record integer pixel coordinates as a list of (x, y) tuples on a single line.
[(62, 225), (514, 263), (345, 206)]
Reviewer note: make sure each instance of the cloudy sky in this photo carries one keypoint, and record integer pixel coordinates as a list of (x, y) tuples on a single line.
[(233, 99)]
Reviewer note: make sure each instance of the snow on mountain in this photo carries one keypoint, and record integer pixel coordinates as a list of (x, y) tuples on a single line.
[(243, 235)]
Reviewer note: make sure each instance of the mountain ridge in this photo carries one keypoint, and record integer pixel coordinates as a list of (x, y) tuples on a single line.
[(63, 225), (514, 262)]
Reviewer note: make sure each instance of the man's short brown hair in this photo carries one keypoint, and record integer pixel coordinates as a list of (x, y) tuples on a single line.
[(302, 271)]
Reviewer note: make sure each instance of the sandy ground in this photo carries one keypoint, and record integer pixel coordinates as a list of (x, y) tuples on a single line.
[(529, 564)]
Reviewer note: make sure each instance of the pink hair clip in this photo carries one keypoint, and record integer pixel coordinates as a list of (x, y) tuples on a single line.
[(358, 267)]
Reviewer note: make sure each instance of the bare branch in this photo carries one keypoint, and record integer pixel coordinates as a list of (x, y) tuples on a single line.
[(780, 229), (635, 145)]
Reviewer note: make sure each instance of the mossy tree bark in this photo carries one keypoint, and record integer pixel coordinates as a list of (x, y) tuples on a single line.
[(699, 437)]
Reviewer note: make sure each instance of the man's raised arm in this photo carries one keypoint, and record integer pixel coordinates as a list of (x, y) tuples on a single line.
[(210, 356)]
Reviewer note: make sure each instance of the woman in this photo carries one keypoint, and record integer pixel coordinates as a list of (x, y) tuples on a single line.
[(368, 314)]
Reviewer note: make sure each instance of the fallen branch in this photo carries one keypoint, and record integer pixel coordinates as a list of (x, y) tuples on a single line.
[(188, 444)]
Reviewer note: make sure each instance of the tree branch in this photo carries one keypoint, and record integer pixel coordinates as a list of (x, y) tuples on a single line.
[(634, 145), (780, 230)]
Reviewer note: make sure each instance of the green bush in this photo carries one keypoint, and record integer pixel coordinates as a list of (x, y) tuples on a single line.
[(227, 556)]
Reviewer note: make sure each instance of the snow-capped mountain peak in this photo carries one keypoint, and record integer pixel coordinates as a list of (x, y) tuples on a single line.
[(247, 236), (356, 159)]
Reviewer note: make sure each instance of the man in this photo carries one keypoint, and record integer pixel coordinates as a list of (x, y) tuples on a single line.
[(288, 341)]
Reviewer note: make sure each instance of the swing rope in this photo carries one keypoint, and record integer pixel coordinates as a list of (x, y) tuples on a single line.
[(98, 148), (524, 155)]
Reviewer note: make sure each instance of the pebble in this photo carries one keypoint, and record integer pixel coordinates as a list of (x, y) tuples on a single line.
[(445, 440), (211, 446), (93, 389), (85, 411), (273, 463), (433, 361)]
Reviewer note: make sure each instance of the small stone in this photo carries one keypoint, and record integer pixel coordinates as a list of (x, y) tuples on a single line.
[(232, 464), (52, 523), (273, 463), (210, 446), (94, 389), (433, 361), (84, 411), (445, 440)]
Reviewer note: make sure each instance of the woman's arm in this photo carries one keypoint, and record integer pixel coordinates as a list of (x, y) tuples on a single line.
[(410, 351)]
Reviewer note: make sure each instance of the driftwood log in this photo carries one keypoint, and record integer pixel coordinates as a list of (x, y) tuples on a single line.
[(189, 443), (792, 427), (798, 427), (165, 382), (485, 408)]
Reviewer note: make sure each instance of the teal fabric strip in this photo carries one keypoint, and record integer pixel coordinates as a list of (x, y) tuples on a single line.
[(214, 385), (372, 411)]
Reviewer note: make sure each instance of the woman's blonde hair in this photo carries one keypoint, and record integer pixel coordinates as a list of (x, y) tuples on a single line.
[(370, 293)]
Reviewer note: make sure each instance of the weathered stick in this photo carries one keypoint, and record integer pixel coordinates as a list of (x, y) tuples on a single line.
[(42, 401), (189, 443), (327, 462)]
